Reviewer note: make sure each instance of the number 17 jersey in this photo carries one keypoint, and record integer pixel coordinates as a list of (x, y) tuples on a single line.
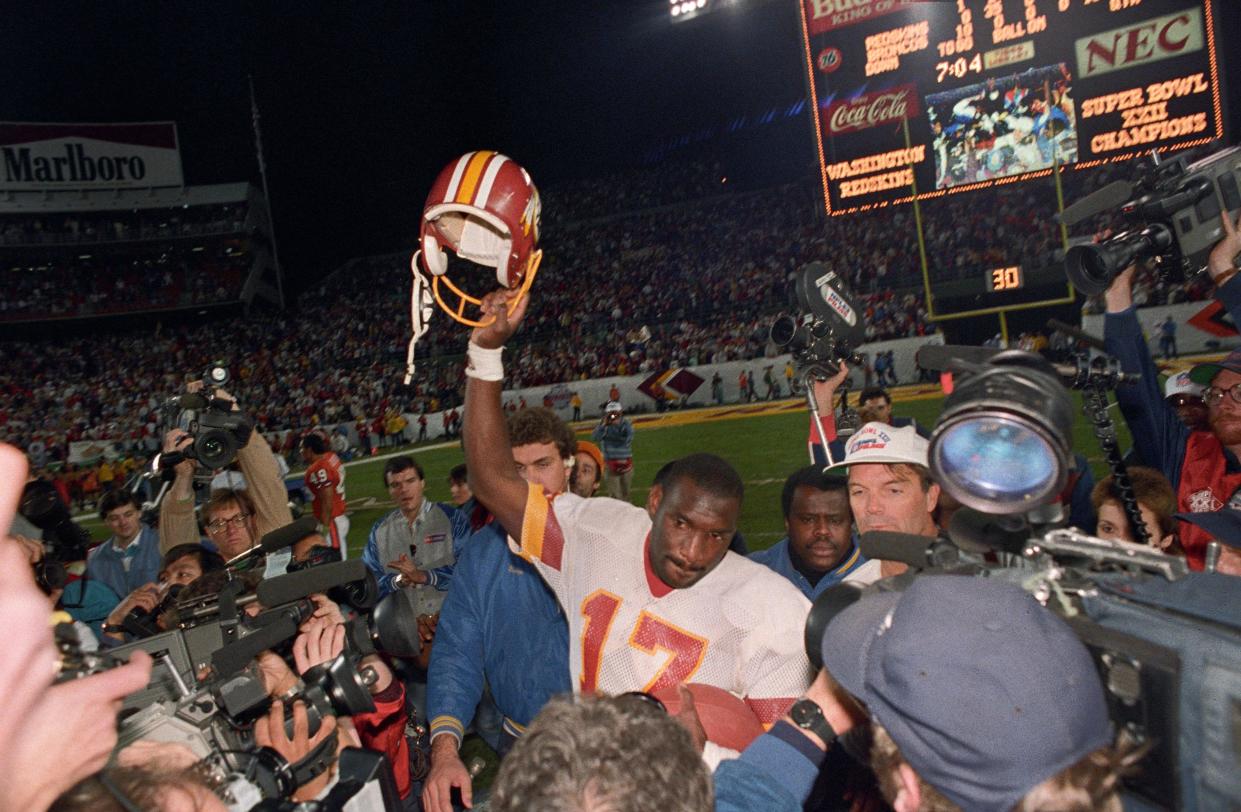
[(738, 628)]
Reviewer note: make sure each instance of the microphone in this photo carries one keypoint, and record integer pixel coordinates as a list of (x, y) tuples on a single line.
[(1109, 198), (919, 552), (288, 535), (297, 585), (235, 656)]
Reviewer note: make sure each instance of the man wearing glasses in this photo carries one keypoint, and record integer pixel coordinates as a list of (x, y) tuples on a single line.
[(234, 520), (1204, 465)]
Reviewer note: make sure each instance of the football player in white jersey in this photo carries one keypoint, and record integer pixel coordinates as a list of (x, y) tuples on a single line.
[(650, 603)]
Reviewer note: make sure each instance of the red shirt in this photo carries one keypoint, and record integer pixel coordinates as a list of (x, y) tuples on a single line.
[(326, 479)]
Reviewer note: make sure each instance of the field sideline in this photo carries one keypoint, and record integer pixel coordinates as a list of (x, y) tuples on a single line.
[(764, 441)]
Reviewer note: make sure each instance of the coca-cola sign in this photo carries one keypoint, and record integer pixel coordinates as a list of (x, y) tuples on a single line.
[(872, 109)]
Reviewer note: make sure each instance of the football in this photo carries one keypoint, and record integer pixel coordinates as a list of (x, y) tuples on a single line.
[(726, 718)]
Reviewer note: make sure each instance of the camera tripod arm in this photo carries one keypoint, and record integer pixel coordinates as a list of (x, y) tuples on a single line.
[(816, 416)]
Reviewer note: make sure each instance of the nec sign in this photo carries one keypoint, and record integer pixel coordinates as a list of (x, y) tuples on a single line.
[(1140, 44)]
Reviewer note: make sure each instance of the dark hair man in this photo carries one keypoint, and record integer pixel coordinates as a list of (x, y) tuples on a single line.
[(500, 625), (875, 405), (130, 556), (635, 589), (420, 540), (890, 486), (1204, 467), (459, 486), (819, 549)]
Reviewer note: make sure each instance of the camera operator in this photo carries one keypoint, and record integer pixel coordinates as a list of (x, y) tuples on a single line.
[(183, 565), (614, 434), (1203, 466), (235, 520), (979, 698)]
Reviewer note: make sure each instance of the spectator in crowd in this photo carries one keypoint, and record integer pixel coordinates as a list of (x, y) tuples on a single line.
[(325, 477), (501, 625), (130, 557), (1156, 503), (819, 549), (587, 469), (614, 434)]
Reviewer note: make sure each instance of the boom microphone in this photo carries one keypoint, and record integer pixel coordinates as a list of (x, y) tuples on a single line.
[(304, 583), (1109, 198), (919, 552), (288, 535)]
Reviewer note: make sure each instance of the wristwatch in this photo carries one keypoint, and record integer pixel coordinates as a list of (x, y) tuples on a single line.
[(807, 715)]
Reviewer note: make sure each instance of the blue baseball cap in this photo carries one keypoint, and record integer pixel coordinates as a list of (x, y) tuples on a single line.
[(986, 693), (1224, 525)]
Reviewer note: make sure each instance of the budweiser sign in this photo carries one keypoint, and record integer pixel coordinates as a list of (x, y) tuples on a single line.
[(872, 109)]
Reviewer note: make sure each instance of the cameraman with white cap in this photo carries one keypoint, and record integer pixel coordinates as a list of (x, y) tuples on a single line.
[(614, 434)]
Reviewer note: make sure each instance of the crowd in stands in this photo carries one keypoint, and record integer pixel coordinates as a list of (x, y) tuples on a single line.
[(119, 283), (671, 284), (88, 227)]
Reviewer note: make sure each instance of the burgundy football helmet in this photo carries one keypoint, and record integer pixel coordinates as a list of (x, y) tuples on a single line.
[(484, 208)]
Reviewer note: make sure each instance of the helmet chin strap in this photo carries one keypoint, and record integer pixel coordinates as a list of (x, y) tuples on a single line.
[(421, 307)]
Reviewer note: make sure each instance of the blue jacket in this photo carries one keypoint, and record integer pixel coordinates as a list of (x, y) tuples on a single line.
[(615, 440), (90, 602), (774, 774), (105, 563), (501, 623), (777, 558)]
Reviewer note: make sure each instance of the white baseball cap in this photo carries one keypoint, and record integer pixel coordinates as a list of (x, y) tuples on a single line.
[(1181, 384), (613, 406), (881, 443)]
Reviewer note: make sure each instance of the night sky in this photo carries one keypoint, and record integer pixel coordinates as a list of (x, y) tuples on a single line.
[(363, 102)]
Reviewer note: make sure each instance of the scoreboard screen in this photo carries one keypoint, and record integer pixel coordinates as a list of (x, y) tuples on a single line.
[(954, 131), (941, 98)]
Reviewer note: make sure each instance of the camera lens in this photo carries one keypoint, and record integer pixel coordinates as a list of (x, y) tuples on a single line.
[(991, 461), (215, 448), (783, 329)]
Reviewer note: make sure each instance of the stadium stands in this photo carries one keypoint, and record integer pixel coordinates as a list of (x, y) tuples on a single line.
[(673, 283)]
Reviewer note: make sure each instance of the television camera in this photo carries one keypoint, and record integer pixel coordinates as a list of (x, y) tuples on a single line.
[(1166, 641), (1174, 208)]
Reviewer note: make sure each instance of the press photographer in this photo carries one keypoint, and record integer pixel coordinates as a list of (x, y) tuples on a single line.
[(614, 434), (1203, 466), (234, 520)]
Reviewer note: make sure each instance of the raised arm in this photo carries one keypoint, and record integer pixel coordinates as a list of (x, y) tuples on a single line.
[(488, 452)]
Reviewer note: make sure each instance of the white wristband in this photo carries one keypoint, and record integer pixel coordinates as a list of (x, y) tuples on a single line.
[(484, 364)]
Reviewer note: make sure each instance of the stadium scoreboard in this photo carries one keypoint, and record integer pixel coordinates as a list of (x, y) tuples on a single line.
[(943, 100)]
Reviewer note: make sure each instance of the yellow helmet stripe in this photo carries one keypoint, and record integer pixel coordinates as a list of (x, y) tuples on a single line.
[(473, 172)]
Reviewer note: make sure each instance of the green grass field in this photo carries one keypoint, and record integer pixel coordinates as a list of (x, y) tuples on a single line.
[(764, 448)]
